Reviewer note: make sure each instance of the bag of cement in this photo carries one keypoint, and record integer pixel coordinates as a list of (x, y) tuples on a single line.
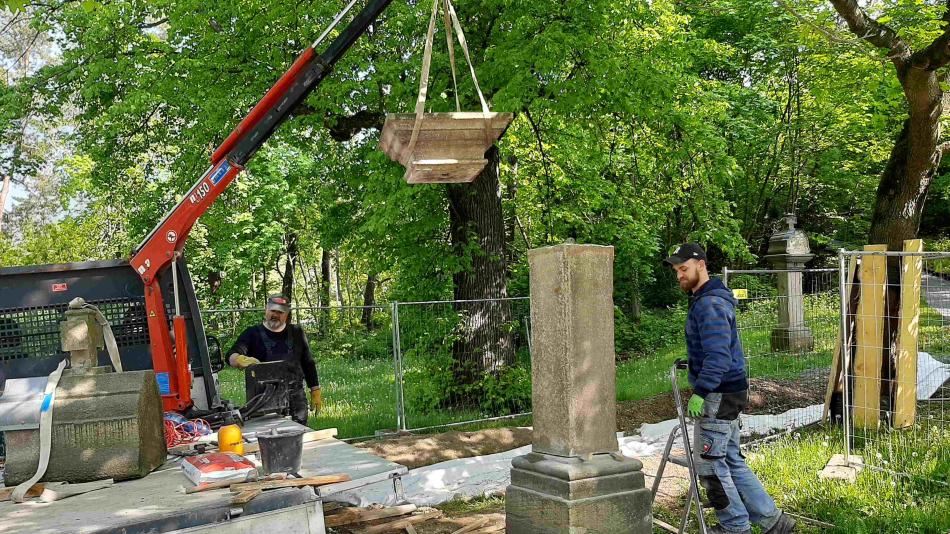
[(218, 467)]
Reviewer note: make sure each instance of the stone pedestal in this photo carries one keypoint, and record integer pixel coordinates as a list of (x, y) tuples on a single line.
[(788, 253), (575, 480)]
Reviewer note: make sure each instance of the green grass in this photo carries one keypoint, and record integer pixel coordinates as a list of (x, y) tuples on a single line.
[(877, 502), (359, 395)]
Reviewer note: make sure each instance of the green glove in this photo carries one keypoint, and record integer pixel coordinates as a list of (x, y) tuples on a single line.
[(695, 408)]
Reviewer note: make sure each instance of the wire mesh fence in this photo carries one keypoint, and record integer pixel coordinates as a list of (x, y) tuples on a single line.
[(353, 347), (462, 361), (788, 323), (895, 311)]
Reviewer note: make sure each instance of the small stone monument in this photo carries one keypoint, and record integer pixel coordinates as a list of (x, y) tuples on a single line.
[(575, 479), (788, 253), (81, 336)]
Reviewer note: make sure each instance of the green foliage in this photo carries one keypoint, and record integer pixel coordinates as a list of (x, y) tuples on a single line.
[(655, 330), (938, 266)]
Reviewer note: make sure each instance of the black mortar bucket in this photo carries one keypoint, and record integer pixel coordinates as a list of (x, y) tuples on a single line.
[(281, 451)]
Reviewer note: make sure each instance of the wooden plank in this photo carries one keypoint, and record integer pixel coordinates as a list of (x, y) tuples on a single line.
[(349, 516), (400, 524), (34, 491), (905, 405), (834, 377), (245, 497), (208, 487), (870, 336), (315, 435), (55, 492), (490, 529), (411, 529), (472, 526), (289, 483)]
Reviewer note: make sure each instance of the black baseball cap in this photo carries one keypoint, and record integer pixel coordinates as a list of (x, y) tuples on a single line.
[(685, 252)]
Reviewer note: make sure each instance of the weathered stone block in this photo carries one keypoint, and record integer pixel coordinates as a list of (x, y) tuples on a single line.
[(104, 426), (573, 363)]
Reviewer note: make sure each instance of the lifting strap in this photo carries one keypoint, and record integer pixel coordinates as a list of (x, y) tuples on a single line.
[(46, 433), (449, 13)]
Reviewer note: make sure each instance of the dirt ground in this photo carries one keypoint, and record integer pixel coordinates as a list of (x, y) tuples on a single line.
[(768, 396), (418, 451)]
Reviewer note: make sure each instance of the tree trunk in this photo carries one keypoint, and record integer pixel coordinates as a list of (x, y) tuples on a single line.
[(325, 291), (287, 279), (900, 198), (478, 235), (369, 300), (336, 270), (325, 278), (912, 165), (4, 191)]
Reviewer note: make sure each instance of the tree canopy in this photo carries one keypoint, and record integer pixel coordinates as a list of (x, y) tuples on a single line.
[(639, 124)]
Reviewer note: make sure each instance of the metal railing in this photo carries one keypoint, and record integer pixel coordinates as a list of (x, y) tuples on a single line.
[(461, 362), (895, 365), (407, 365), (787, 321)]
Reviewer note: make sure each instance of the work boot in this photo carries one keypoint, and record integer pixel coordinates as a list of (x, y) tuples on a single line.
[(784, 525), (719, 529)]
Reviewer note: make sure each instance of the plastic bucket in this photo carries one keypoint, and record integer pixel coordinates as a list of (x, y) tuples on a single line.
[(281, 451)]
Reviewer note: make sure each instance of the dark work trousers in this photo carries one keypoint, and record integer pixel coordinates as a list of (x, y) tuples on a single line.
[(733, 489)]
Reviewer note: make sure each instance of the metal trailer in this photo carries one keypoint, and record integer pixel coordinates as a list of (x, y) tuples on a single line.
[(157, 502)]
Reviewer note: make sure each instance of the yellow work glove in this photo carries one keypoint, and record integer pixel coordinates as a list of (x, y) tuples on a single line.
[(316, 400), (243, 362)]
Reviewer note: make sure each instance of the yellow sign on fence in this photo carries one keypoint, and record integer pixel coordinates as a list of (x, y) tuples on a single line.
[(740, 294)]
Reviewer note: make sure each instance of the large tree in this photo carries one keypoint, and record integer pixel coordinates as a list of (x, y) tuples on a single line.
[(920, 145)]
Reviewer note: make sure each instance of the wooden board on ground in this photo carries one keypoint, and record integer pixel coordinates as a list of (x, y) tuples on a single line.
[(316, 435), (55, 492), (905, 404), (289, 483), (349, 516), (834, 377), (400, 524), (870, 327), (34, 491), (473, 526)]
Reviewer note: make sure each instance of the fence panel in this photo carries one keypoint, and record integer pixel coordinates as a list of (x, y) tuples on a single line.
[(788, 323), (897, 365), (463, 361), (353, 347)]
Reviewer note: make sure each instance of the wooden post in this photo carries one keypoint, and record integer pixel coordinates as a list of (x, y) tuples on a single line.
[(905, 407), (870, 333), (835, 382)]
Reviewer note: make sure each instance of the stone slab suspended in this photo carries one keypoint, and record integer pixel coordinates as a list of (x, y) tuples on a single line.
[(450, 147)]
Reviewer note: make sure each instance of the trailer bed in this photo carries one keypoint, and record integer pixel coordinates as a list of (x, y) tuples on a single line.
[(157, 502)]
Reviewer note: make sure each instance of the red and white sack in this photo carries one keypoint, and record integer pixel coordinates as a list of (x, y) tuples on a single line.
[(218, 467)]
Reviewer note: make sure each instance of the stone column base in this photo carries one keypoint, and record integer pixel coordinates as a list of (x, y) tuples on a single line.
[(553, 494), (797, 339)]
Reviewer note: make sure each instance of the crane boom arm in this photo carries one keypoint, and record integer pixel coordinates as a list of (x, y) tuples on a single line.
[(164, 243)]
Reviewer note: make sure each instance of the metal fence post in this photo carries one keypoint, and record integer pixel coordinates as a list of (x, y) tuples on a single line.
[(845, 353), (401, 423), (725, 276)]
